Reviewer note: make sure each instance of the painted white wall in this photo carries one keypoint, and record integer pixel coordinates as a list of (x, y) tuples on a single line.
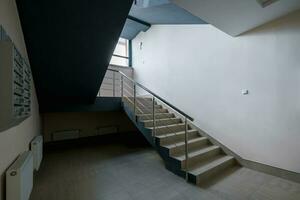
[(237, 16), (203, 71), (16, 140)]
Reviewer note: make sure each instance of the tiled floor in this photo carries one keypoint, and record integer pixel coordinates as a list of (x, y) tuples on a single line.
[(127, 172)]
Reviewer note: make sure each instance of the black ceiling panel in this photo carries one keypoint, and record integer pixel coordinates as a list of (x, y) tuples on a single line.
[(70, 43)]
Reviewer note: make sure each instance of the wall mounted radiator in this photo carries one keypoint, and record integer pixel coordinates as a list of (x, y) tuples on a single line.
[(65, 135), (19, 178), (36, 147)]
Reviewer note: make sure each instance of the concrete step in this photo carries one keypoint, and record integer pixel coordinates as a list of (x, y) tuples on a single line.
[(161, 130), (199, 155), (148, 106), (162, 122), (139, 101), (143, 98), (141, 108), (177, 137), (178, 149), (205, 170), (144, 117), (149, 111), (147, 102)]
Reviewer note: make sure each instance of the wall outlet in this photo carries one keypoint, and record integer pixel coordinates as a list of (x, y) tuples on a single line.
[(245, 92)]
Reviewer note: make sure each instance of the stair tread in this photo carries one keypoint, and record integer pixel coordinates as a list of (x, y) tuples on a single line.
[(204, 167), (162, 122), (198, 152), (147, 114), (164, 119), (175, 133), (179, 144), (166, 126), (205, 157), (158, 110)]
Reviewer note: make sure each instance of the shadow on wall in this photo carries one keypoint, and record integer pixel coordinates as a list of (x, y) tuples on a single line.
[(87, 123), (291, 20)]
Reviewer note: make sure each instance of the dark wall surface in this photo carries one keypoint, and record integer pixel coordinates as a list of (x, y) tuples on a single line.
[(70, 43), (101, 104)]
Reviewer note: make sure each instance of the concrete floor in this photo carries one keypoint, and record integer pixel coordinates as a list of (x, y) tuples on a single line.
[(120, 171)]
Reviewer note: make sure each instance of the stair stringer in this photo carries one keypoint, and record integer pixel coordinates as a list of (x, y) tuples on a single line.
[(171, 164)]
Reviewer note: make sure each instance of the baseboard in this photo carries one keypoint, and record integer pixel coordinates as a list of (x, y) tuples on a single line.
[(271, 170)]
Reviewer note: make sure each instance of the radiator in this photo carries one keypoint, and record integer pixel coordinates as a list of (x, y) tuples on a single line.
[(19, 178), (107, 130), (65, 135), (37, 151)]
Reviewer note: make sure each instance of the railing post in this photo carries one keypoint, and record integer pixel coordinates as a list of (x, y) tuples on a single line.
[(122, 85), (186, 148), (153, 117), (114, 85), (134, 99)]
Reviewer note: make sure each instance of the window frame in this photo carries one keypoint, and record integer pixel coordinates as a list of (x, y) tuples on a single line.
[(128, 52)]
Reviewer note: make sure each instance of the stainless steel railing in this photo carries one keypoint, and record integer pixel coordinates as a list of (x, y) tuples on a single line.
[(144, 101)]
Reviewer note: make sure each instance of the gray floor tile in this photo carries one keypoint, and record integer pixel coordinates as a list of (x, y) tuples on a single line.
[(119, 172)]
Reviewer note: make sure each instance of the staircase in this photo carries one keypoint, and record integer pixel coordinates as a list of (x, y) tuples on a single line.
[(184, 149)]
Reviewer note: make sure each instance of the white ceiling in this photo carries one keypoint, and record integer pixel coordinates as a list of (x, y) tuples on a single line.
[(237, 16)]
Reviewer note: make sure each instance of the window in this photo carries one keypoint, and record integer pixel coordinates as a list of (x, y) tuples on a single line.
[(121, 55)]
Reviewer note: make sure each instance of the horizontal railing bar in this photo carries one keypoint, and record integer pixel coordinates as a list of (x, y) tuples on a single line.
[(116, 55), (129, 93), (107, 83), (128, 86), (119, 66), (158, 97)]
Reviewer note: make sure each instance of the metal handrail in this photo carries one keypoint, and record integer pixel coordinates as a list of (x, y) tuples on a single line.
[(137, 109), (155, 95)]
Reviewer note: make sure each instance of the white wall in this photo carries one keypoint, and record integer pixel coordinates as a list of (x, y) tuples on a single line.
[(203, 70), (235, 16), (15, 140)]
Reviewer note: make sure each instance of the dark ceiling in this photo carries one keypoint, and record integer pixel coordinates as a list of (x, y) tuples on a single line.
[(162, 12), (156, 12), (70, 43)]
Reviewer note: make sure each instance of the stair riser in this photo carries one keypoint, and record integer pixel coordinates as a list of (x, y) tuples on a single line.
[(192, 146), (148, 104), (172, 129), (162, 123), (138, 98), (145, 105), (173, 156), (177, 138), (145, 111), (157, 116), (148, 107), (199, 158), (144, 99), (216, 170)]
